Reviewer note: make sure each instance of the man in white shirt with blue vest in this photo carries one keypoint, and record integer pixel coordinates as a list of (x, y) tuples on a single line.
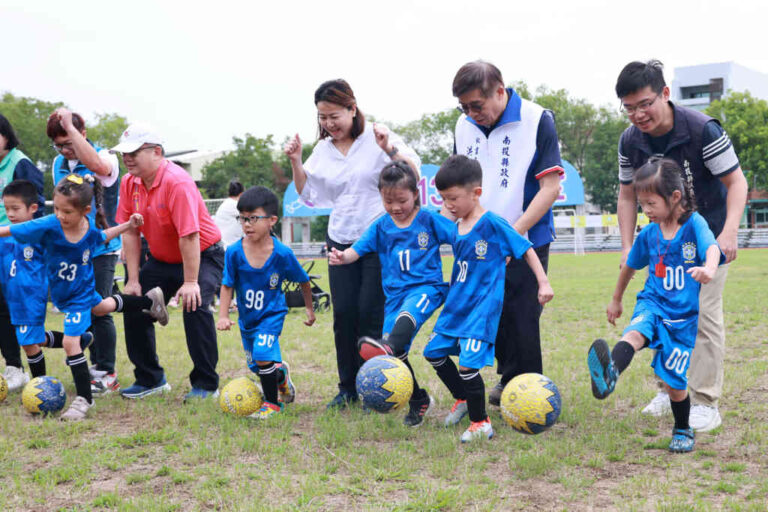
[(516, 143)]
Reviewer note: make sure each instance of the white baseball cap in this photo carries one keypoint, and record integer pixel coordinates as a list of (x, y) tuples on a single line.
[(135, 136)]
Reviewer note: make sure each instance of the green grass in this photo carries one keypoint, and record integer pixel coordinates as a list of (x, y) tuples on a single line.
[(159, 455)]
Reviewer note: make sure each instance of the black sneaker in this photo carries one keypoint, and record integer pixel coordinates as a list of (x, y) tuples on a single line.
[(341, 401), (417, 410), (494, 397), (370, 348)]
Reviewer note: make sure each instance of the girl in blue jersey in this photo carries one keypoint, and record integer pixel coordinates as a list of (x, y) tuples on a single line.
[(68, 239), (407, 241), (255, 267), (680, 252)]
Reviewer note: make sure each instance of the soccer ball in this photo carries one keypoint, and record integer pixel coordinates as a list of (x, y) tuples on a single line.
[(384, 383), (3, 388), (241, 397), (44, 395), (530, 403)]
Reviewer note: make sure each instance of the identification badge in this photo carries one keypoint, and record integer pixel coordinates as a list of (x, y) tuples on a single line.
[(660, 270)]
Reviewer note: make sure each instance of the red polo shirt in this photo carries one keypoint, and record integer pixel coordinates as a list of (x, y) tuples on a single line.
[(172, 208)]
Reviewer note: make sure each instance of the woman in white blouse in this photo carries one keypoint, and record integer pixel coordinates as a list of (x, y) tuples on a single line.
[(342, 173), (226, 215)]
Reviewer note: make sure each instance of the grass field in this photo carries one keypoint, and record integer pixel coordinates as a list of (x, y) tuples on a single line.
[(159, 455)]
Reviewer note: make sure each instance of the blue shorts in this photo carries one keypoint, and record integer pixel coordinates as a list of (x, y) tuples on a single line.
[(76, 322), (418, 305), (673, 341), (473, 353), (30, 334), (259, 346)]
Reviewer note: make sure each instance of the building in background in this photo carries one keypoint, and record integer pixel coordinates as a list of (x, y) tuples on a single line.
[(697, 86), (193, 160)]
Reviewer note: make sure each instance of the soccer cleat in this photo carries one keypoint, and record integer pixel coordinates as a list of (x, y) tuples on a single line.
[(478, 430), (704, 418), (77, 409), (158, 311), (370, 348), (103, 383), (494, 397), (86, 340), (682, 440), (16, 378), (139, 391), (458, 411), (200, 394), (286, 388), (341, 401), (602, 371), (659, 406), (417, 410), (268, 409)]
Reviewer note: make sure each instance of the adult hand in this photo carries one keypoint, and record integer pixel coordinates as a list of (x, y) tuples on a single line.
[(613, 311), (132, 287), (223, 324), (189, 296), (381, 134), (335, 257), (64, 116), (729, 244), (292, 149)]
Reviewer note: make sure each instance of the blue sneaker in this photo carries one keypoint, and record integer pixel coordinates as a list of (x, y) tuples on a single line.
[(682, 440), (602, 371), (139, 391), (201, 394), (86, 340)]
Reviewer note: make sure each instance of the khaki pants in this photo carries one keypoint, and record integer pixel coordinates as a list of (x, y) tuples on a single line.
[(705, 378)]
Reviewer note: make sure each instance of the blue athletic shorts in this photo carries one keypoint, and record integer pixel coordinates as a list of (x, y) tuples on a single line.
[(30, 334), (259, 346), (473, 353), (77, 322), (672, 339), (418, 305)]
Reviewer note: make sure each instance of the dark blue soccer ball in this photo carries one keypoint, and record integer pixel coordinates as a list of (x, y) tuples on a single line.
[(44, 395), (384, 384)]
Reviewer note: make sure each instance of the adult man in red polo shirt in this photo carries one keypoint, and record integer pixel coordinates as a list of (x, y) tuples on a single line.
[(185, 255)]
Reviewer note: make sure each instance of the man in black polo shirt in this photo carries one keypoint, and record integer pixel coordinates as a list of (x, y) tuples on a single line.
[(705, 153)]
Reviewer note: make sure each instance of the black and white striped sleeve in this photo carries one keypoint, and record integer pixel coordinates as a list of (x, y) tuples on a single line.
[(626, 171), (717, 150)]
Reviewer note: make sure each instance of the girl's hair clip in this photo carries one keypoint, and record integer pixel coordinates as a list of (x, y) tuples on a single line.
[(75, 178)]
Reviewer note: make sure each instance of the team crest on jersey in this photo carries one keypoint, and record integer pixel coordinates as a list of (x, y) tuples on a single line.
[(636, 320), (481, 249), (423, 240), (689, 252), (29, 253), (273, 280), (86, 256)]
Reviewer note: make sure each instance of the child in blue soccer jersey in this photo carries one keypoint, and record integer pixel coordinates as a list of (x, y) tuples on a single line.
[(407, 241), (468, 323), (255, 267), (67, 240), (680, 252)]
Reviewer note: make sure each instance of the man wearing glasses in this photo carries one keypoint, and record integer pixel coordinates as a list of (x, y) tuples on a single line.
[(516, 143), (186, 258), (78, 154), (705, 153)]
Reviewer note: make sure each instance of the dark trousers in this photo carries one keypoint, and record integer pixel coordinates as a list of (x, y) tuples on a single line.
[(9, 346), (199, 326), (518, 343), (358, 310), (103, 327)]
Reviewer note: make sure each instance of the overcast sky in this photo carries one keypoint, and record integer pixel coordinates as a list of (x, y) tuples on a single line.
[(204, 74)]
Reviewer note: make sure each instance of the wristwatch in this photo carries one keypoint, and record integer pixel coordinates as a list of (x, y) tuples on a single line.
[(394, 151)]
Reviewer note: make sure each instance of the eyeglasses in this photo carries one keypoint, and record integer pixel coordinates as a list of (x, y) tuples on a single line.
[(475, 106), (640, 108), (252, 219), (61, 147), (133, 154)]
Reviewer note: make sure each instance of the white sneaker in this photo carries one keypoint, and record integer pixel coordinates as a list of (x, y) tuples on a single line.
[(77, 409), (15, 377), (704, 418), (158, 311), (104, 383), (478, 430), (659, 406), (95, 374)]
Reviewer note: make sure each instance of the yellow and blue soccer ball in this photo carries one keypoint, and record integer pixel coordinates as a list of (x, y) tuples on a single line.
[(530, 403), (384, 384), (241, 397), (3, 388), (44, 395)]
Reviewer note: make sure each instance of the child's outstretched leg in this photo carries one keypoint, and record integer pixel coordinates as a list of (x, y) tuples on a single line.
[(449, 374), (268, 375), (682, 434), (605, 365), (79, 366), (55, 339), (420, 403), (35, 360), (152, 303), (479, 422)]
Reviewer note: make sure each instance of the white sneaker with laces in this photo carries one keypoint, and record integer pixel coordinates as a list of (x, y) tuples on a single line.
[(77, 409), (704, 418), (95, 374), (659, 406), (477, 430), (15, 377)]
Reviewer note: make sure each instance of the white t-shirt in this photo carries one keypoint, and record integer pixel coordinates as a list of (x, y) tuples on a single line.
[(349, 184), (226, 221)]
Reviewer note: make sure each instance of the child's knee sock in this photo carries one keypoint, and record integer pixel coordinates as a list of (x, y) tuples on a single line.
[(622, 354), (131, 303), (54, 339), (401, 334), (681, 411), (418, 393), (36, 364), (473, 383), (268, 376), (449, 374), (79, 366)]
